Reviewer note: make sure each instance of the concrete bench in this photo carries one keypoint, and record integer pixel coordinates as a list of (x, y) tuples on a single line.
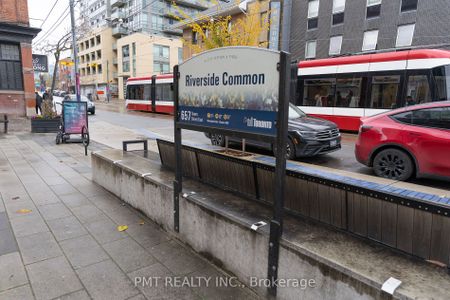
[(217, 224)]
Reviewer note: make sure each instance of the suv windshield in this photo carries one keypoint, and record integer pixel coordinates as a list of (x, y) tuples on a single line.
[(295, 112)]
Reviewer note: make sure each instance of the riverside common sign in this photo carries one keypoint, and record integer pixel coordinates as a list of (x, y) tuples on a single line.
[(233, 88), (241, 92)]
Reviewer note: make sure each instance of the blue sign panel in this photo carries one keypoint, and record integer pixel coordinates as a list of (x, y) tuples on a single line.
[(234, 88), (256, 121)]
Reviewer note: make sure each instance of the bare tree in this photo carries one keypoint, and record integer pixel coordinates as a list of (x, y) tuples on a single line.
[(63, 44)]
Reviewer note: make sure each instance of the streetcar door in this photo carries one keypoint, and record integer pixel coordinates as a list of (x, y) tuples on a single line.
[(153, 93)]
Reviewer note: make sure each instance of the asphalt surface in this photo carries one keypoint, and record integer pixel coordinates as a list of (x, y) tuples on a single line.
[(162, 125)]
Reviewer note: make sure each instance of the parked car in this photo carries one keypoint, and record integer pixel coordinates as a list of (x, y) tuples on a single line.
[(409, 141), (307, 136), (90, 104)]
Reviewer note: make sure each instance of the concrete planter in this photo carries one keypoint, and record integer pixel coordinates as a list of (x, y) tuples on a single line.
[(45, 125)]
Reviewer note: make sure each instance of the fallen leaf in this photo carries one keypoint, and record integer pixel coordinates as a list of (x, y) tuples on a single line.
[(23, 211), (141, 222), (122, 228)]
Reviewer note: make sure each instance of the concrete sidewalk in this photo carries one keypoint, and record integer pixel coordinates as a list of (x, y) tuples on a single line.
[(59, 235)]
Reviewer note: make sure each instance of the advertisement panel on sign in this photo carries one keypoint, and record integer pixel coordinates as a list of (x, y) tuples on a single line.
[(234, 88), (40, 63), (75, 116)]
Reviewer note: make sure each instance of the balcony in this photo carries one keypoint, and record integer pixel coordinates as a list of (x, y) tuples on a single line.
[(173, 13), (170, 30), (118, 31), (198, 4), (114, 61), (114, 46), (118, 3), (117, 14)]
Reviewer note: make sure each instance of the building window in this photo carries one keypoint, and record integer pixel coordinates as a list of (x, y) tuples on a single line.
[(126, 58), (157, 22), (194, 37), (405, 35), (373, 8), (180, 55), (99, 69), (408, 5), (310, 49), (10, 67), (161, 57), (335, 45), (370, 40), (313, 14), (338, 12), (160, 52), (99, 54), (161, 67), (99, 40), (133, 47)]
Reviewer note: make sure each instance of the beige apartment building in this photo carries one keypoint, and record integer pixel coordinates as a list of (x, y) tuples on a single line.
[(97, 57), (141, 55)]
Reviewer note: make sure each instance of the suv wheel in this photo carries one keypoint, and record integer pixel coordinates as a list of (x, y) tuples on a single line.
[(393, 164), (217, 140), (290, 150)]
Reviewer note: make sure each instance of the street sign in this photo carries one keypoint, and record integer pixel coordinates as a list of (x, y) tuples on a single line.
[(233, 88), (40, 63)]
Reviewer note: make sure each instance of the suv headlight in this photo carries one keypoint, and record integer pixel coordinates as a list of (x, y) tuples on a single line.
[(307, 134)]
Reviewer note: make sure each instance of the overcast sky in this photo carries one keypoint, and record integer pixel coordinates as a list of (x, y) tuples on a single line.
[(38, 11)]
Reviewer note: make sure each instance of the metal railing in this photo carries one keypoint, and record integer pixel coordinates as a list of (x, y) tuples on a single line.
[(414, 223)]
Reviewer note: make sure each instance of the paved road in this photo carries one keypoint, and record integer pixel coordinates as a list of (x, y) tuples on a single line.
[(154, 125)]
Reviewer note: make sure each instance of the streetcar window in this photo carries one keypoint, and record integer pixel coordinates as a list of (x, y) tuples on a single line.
[(442, 82), (350, 91), (319, 92), (418, 90), (385, 90), (164, 92), (135, 92)]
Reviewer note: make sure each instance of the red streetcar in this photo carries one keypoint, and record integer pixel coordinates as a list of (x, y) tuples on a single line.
[(345, 89), (153, 94)]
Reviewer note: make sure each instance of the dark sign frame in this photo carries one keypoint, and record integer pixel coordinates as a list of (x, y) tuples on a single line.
[(65, 119), (42, 62), (280, 140)]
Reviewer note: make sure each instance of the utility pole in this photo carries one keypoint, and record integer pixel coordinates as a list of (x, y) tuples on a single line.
[(107, 81), (75, 50)]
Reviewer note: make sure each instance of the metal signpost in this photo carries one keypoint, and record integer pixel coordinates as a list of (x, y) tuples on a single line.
[(237, 92)]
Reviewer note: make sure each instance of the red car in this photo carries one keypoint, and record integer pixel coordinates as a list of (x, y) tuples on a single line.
[(414, 140)]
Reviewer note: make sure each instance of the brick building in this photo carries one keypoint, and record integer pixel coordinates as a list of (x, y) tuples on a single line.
[(16, 67), (324, 28)]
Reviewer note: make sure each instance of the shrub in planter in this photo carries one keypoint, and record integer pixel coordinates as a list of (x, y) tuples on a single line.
[(48, 121)]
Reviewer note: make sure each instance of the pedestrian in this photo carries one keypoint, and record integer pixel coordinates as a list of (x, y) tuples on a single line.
[(410, 101), (38, 103), (45, 95)]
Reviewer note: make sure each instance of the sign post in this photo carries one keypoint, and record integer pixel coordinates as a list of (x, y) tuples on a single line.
[(236, 92)]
